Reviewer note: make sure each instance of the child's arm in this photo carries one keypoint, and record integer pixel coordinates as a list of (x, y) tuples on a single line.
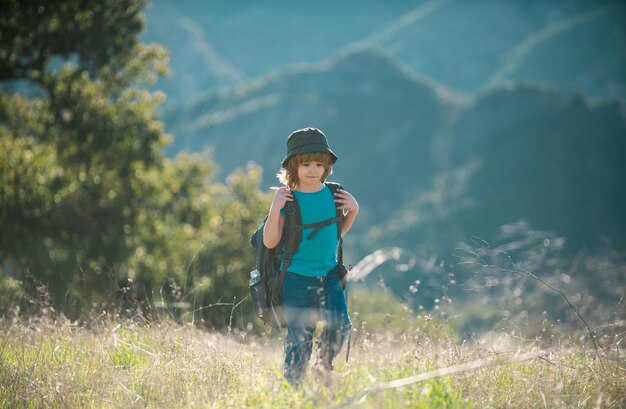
[(349, 203), (273, 230)]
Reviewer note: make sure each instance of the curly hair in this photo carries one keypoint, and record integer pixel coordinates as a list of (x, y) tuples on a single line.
[(288, 175)]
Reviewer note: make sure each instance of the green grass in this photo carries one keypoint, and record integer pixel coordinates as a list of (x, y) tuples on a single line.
[(45, 363)]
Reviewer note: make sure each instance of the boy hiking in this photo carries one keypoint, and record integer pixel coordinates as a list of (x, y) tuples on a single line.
[(312, 289)]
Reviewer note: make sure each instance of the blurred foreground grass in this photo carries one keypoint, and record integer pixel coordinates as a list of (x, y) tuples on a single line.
[(116, 363)]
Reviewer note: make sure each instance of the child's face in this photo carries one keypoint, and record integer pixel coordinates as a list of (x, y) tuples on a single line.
[(310, 174)]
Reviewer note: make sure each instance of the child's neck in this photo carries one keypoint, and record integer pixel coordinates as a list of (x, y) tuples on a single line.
[(310, 188)]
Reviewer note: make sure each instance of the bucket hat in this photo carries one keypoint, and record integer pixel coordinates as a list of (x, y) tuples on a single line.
[(305, 141)]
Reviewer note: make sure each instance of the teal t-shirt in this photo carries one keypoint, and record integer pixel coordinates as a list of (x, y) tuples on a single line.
[(316, 257)]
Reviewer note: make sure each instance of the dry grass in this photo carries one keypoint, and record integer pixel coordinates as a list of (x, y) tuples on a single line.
[(47, 363)]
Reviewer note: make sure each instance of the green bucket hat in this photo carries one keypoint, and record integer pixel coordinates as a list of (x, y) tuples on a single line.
[(307, 140)]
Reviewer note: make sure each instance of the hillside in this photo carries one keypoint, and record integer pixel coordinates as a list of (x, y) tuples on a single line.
[(217, 45), (464, 45), (382, 123), (546, 156), (473, 45), (433, 169), (520, 152), (549, 157), (484, 141), (584, 52), (455, 122)]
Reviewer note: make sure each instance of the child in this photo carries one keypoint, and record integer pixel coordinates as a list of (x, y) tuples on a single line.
[(312, 289)]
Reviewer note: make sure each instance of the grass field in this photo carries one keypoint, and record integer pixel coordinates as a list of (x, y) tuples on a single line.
[(109, 363)]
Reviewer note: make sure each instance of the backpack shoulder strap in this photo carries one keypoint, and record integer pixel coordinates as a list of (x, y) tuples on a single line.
[(291, 233), (289, 244), (339, 214)]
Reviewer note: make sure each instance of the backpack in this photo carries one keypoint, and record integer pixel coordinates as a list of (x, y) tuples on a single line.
[(272, 264)]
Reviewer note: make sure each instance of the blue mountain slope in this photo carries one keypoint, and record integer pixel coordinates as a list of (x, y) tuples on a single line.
[(550, 157), (429, 167), (464, 45), (382, 122)]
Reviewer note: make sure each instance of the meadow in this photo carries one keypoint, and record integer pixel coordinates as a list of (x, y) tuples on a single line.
[(109, 362)]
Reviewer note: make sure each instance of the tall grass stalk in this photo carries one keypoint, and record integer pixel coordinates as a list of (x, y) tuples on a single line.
[(53, 363)]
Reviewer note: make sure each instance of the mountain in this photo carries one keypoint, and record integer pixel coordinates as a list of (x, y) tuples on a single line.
[(550, 157), (429, 166), (382, 123), (467, 46), (474, 45), (484, 126), (543, 155), (585, 52), (215, 45)]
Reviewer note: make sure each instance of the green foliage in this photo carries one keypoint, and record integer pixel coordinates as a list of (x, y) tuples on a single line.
[(192, 242), (124, 357), (70, 154), (11, 293), (99, 39), (436, 394), (91, 211)]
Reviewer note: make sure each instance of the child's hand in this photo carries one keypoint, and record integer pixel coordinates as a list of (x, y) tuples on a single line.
[(346, 201), (281, 196)]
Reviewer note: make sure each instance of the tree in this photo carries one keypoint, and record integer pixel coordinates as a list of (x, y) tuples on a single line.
[(88, 202)]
